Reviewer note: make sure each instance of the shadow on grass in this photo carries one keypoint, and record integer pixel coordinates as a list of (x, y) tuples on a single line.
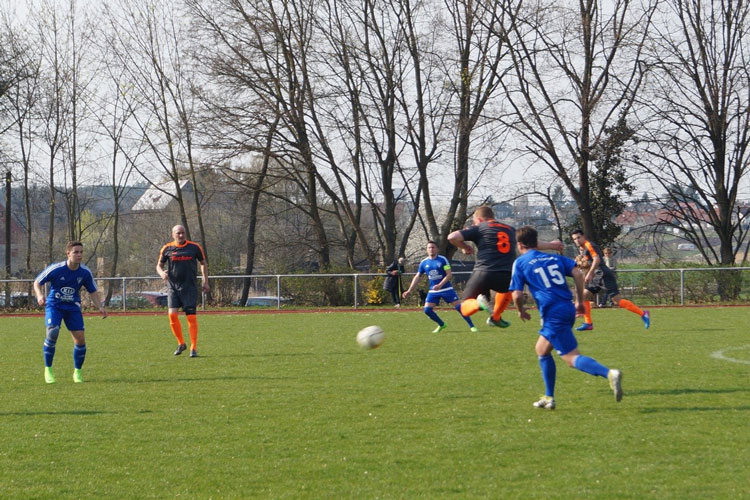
[(679, 391), (65, 412), (183, 379), (695, 408)]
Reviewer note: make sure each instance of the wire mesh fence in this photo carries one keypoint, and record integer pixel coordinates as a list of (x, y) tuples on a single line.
[(680, 286)]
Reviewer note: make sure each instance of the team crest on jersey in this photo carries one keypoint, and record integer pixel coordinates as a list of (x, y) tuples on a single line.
[(79, 280)]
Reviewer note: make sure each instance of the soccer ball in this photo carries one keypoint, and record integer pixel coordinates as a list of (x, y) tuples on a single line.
[(370, 337)]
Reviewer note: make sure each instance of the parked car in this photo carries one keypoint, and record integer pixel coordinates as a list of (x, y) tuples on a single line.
[(18, 299), (262, 301), (155, 298)]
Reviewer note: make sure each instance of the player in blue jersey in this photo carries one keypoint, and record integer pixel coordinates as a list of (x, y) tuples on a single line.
[(438, 272), (63, 303), (545, 274)]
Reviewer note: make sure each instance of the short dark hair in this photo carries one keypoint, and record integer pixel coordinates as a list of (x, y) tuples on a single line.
[(430, 241), (527, 236), (72, 244), (577, 231)]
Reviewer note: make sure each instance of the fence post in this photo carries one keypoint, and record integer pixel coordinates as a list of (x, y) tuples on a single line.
[(124, 293), (356, 289), (278, 291), (682, 287)]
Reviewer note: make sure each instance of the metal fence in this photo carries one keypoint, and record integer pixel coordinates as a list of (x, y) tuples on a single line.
[(682, 286)]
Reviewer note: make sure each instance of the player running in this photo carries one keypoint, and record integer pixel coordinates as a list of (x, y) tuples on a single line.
[(496, 251), (438, 272), (545, 274), (63, 303), (590, 251), (182, 258)]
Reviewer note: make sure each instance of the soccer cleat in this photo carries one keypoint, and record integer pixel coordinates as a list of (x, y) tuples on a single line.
[(193, 353), (501, 323), (545, 403), (646, 319), (440, 328), (77, 377), (615, 382), (49, 377), (484, 305), (585, 326), (474, 329), (180, 349)]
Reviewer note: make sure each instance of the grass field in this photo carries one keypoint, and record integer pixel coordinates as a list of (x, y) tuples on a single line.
[(287, 406)]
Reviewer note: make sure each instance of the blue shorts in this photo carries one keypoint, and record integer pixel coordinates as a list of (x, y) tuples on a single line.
[(73, 318), (557, 327), (433, 296)]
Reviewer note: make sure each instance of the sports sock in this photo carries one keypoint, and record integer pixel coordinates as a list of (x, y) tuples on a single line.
[(49, 344), (590, 366), (549, 373), (469, 307), (174, 324), (587, 312), (192, 320), (433, 315), (467, 318), (626, 304), (79, 355), (501, 303)]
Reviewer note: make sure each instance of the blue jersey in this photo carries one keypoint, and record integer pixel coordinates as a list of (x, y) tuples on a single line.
[(544, 273), (435, 270), (65, 284)]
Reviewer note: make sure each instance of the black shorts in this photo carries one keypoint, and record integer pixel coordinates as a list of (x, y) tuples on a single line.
[(603, 281), (481, 282), (185, 298)]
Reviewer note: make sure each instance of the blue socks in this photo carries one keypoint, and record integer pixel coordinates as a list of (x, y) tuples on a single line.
[(549, 372), (79, 354), (466, 318), (433, 316), (590, 366)]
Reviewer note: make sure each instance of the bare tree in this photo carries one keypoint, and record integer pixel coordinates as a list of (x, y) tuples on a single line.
[(698, 125), (148, 41), (575, 70)]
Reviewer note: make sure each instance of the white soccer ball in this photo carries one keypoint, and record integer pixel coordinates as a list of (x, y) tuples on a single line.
[(370, 337)]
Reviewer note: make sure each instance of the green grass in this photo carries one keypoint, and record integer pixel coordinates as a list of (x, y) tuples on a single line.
[(287, 406)]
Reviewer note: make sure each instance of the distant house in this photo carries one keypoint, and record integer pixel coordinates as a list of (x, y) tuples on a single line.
[(161, 197)]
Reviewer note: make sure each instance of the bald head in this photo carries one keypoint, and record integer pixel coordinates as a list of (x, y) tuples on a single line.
[(178, 233)]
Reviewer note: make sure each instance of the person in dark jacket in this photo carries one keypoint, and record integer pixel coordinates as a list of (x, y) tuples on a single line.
[(392, 281)]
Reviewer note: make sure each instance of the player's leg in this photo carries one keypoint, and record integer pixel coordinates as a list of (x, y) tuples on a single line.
[(431, 301), (74, 323), (591, 366), (53, 320), (618, 301), (549, 373), (457, 306), (173, 309), (588, 323), (192, 319), (475, 287), (189, 299), (502, 299)]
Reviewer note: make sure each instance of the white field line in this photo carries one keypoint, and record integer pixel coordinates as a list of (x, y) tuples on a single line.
[(723, 356)]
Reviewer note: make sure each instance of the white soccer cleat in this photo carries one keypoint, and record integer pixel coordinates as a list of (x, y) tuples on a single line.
[(484, 304), (615, 382), (545, 403)]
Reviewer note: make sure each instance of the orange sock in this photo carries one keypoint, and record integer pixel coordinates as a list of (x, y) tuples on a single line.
[(469, 307), (193, 329), (501, 303), (587, 312), (174, 324), (626, 304)]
